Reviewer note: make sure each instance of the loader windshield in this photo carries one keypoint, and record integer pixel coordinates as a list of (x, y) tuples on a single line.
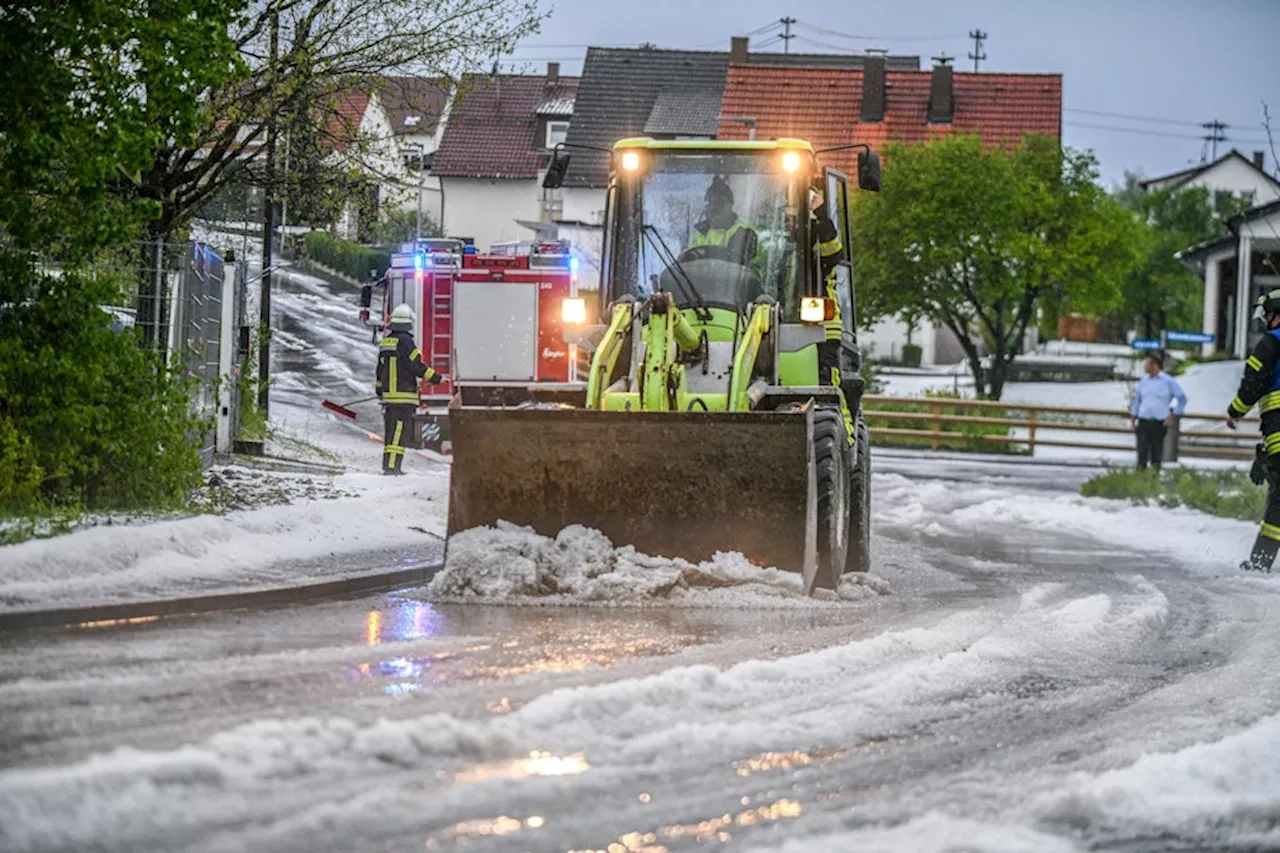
[(713, 227)]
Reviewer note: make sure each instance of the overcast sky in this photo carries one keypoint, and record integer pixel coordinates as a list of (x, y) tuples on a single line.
[(1182, 62)]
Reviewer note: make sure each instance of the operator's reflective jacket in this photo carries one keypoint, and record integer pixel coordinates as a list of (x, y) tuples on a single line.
[(739, 238), (829, 247), (400, 367), (1261, 385)]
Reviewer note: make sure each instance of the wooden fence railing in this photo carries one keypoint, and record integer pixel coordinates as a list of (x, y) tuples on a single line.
[(1019, 427)]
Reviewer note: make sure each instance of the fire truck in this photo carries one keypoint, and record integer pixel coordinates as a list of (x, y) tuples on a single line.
[(492, 322)]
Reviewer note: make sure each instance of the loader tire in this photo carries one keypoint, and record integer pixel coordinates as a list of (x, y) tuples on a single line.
[(858, 557), (830, 455)]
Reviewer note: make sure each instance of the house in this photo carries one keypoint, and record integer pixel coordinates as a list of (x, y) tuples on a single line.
[(495, 149), (359, 134), (665, 94), (1232, 172), (878, 103), (418, 109), (1236, 270)]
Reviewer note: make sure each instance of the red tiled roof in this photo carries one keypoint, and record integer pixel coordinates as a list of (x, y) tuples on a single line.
[(413, 104), (492, 129), (345, 110), (823, 105)]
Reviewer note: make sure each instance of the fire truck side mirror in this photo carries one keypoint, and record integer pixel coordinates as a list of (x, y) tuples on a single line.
[(555, 172), (366, 296), (869, 171)]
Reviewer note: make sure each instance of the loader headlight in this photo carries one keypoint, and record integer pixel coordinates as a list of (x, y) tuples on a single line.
[(814, 309), (574, 311), (790, 162), (630, 161)]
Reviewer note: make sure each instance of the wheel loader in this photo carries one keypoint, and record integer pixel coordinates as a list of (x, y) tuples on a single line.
[(722, 408)]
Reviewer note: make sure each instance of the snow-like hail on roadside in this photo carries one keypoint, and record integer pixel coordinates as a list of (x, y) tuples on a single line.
[(514, 565), (938, 513), (269, 546), (336, 783)]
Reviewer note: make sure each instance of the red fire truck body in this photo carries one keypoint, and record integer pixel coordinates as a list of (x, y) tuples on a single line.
[(491, 322)]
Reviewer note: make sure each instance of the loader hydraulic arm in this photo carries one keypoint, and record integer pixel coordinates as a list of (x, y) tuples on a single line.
[(605, 360)]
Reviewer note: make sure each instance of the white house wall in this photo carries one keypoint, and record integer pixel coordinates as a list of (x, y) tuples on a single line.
[(886, 339), (583, 205), (1236, 176), (487, 209)]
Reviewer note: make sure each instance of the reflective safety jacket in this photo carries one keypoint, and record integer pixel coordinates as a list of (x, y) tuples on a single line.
[(828, 239), (739, 238), (399, 369), (1261, 385)]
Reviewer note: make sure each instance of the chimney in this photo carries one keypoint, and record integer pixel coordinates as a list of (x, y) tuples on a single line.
[(1259, 160), (553, 71), (942, 100), (873, 89), (738, 50)]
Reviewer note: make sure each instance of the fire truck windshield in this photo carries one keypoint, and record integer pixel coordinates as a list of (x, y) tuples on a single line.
[(708, 227)]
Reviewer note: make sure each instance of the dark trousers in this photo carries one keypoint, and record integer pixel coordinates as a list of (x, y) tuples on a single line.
[(1268, 541), (397, 422), (1150, 443)]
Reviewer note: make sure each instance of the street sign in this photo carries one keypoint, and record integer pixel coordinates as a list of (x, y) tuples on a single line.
[(1145, 343), (1188, 337)]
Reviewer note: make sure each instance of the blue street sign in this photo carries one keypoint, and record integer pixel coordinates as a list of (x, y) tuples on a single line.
[(1188, 337), (1145, 343)]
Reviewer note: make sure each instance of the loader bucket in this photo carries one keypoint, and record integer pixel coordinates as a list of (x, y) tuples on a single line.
[(670, 484)]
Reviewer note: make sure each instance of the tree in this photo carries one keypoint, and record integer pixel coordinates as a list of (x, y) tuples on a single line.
[(1161, 293), (84, 413), (980, 239), (298, 57)]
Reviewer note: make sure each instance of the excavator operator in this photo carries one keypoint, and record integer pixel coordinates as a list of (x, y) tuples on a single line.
[(720, 226)]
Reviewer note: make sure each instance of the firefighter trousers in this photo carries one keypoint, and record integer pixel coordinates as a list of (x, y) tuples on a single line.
[(1267, 543), (397, 422)]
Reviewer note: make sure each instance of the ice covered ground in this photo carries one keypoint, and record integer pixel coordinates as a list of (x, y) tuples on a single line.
[(1067, 711), (299, 525)]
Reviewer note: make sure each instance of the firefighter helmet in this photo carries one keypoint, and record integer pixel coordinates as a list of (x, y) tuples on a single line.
[(402, 315)]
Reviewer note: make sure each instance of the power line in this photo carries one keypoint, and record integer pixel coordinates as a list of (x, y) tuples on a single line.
[(1142, 131), (853, 37), (1152, 119), (836, 47), (978, 37)]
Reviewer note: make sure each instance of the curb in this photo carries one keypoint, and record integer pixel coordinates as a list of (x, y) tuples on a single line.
[(275, 596)]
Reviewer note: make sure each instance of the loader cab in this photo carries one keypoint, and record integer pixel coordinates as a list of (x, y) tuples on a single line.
[(717, 223)]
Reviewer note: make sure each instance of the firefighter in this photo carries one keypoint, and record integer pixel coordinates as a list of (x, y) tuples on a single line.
[(399, 369), (827, 238), (1261, 385), (720, 226)]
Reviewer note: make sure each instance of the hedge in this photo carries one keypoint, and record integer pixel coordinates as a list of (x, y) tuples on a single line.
[(346, 257)]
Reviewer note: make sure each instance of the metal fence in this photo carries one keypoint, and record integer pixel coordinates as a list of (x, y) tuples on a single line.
[(947, 423)]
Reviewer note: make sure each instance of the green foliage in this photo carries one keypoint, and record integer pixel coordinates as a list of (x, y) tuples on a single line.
[(1160, 292), (956, 436), (871, 383), (912, 355), (20, 474), (92, 94), (1223, 492), (107, 425), (401, 226), (980, 239), (346, 257)]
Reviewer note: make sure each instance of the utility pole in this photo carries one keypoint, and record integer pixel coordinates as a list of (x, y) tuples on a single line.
[(268, 239), (786, 33), (977, 56), (1215, 135)]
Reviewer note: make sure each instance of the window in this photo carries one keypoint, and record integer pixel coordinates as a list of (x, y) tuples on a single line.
[(557, 131)]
